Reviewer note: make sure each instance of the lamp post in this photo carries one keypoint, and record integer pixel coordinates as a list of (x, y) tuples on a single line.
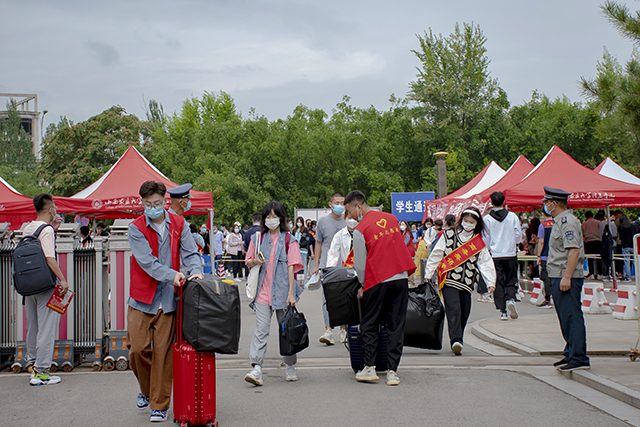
[(441, 173), (41, 131)]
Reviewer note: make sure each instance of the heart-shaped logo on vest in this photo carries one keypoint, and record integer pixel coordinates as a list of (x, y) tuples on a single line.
[(382, 223)]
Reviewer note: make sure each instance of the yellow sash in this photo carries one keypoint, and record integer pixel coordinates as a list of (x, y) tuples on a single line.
[(458, 257)]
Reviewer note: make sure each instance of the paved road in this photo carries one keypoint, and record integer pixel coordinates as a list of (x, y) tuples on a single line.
[(488, 386)]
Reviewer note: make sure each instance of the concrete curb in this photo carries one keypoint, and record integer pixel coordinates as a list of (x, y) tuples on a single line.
[(606, 386), (492, 338)]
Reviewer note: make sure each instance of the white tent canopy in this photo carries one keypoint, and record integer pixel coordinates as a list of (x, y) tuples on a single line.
[(611, 169)]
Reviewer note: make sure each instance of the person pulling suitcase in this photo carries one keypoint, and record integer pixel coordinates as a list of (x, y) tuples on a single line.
[(383, 264)]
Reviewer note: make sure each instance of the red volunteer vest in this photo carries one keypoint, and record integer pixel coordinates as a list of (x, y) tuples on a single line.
[(412, 249), (143, 287), (387, 253)]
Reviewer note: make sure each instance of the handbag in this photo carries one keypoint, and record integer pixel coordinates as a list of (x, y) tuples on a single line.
[(294, 332), (340, 286), (211, 315), (254, 273)]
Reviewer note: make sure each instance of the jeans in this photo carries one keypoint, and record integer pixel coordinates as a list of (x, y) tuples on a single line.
[(627, 252)]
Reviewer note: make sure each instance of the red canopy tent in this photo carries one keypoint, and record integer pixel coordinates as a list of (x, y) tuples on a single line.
[(115, 194), (518, 170), (14, 207), (487, 177), (589, 189)]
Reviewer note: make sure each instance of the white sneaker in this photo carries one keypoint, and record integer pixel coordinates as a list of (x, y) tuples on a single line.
[(291, 373), (511, 308), (457, 348), (343, 335), (255, 376), (367, 375), (327, 337), (392, 378), (503, 315), (43, 378)]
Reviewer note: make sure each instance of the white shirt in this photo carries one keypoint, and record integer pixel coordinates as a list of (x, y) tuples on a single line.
[(502, 237)]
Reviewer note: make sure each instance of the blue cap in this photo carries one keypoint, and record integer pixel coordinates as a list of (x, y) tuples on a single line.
[(181, 191), (555, 194)]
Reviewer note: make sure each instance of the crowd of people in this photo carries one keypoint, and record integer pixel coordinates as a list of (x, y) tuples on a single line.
[(475, 252)]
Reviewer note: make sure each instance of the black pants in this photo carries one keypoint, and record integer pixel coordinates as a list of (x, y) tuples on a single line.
[(594, 248), (236, 264), (384, 304), (569, 311), (457, 306), (506, 281), (544, 276)]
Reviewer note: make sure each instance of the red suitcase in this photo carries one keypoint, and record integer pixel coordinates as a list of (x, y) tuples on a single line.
[(194, 382)]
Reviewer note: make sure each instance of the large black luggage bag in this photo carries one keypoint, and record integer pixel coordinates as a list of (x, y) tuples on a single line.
[(356, 352), (340, 286), (211, 315), (425, 318)]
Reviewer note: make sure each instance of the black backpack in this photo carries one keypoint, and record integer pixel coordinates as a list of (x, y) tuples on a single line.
[(31, 273)]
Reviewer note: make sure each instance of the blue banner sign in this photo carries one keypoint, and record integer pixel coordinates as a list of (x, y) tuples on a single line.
[(410, 206)]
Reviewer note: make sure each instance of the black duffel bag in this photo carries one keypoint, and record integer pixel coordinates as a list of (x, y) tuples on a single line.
[(340, 286), (294, 332), (425, 318), (211, 315)]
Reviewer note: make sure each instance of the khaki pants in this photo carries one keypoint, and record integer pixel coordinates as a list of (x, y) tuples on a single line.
[(150, 340)]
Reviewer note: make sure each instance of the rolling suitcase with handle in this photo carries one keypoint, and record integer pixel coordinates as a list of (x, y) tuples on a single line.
[(194, 381), (356, 352)]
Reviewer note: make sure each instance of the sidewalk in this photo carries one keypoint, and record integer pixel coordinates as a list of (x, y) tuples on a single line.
[(614, 374)]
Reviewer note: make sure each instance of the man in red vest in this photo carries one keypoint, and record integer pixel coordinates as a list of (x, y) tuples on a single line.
[(383, 265), (158, 239)]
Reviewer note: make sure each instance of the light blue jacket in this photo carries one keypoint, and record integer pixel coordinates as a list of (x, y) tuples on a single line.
[(280, 285)]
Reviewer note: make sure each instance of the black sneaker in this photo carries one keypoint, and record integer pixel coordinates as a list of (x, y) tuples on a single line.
[(560, 363), (573, 367)]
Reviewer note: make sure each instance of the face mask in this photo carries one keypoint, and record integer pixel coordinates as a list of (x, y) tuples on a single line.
[(338, 210), (299, 224), (188, 206), (546, 209), (272, 223), (153, 213), (290, 226), (403, 227), (468, 226), (352, 223), (236, 230), (203, 230)]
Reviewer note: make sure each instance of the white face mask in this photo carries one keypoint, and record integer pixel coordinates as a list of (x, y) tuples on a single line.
[(352, 223), (403, 227), (299, 224), (468, 226), (272, 223)]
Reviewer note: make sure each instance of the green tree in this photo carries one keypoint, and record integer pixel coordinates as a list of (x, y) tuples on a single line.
[(76, 155), (17, 162), (615, 91), (455, 100)]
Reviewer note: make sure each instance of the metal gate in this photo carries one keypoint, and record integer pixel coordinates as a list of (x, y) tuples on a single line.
[(7, 300)]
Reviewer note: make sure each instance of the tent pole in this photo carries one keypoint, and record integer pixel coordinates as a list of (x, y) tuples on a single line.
[(213, 264), (613, 263)]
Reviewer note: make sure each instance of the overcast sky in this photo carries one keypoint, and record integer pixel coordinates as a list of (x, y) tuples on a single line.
[(82, 57)]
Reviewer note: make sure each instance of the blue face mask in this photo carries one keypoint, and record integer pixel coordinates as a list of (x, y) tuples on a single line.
[(338, 210), (153, 213), (545, 209), (188, 206)]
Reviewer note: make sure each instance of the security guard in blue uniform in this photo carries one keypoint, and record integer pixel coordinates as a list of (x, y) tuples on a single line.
[(565, 269), (180, 199)]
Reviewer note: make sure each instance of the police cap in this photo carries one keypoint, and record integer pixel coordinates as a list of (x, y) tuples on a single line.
[(181, 191), (555, 194)]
